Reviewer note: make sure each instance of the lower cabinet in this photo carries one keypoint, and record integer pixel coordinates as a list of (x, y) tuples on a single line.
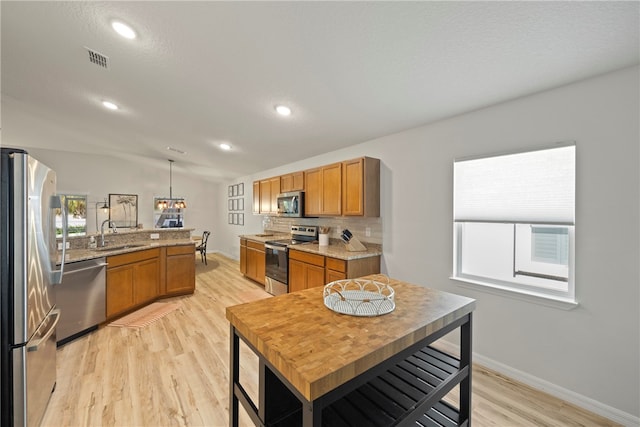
[(254, 261), (243, 256), (133, 279), (307, 270), (138, 278), (181, 270), (339, 269)]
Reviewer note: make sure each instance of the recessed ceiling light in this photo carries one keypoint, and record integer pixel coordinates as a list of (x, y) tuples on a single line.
[(109, 105), (225, 146), (123, 29), (283, 110)]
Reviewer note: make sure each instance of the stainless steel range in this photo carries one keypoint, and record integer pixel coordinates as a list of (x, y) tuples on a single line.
[(277, 257)]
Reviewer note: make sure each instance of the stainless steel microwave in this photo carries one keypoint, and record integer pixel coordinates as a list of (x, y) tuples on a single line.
[(291, 204)]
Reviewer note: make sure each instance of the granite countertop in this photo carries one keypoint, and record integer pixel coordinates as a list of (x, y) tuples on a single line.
[(336, 248), (73, 255), (333, 348), (265, 237)]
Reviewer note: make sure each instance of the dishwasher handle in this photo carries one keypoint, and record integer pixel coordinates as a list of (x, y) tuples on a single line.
[(93, 267)]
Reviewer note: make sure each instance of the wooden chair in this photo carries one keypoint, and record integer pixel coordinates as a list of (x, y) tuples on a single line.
[(202, 247)]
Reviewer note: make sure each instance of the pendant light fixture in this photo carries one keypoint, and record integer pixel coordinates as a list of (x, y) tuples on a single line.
[(171, 203)]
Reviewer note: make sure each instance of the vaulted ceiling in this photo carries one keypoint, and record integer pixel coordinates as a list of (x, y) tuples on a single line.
[(202, 73)]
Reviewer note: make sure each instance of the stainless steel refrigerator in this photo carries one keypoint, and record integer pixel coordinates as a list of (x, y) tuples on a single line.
[(29, 271)]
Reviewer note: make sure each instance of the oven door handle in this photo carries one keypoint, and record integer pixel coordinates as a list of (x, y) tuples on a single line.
[(277, 248)]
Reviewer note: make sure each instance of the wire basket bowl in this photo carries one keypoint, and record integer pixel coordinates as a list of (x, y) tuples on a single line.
[(359, 297)]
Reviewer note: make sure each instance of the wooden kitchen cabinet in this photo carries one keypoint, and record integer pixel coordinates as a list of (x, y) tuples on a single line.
[(323, 190), (180, 270), (361, 187), (292, 182), (336, 269), (275, 190), (243, 256), (339, 269), (256, 197), (255, 263), (268, 195), (348, 188), (305, 270), (133, 279)]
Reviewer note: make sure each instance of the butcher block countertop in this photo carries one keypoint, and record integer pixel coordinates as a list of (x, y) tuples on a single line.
[(317, 350)]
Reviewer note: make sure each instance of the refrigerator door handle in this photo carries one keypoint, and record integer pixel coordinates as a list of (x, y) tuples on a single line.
[(33, 346), (56, 203)]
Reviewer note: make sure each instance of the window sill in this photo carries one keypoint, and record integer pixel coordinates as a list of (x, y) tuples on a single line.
[(522, 295)]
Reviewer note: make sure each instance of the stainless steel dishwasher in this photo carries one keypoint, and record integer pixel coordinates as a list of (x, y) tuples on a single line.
[(81, 299)]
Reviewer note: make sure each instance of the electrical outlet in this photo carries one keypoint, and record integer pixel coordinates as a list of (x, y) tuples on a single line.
[(67, 246), (154, 236), (367, 232)]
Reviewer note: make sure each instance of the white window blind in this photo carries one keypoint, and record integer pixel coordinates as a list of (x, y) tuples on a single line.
[(532, 187)]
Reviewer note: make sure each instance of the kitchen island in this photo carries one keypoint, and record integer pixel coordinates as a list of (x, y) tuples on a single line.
[(318, 367)]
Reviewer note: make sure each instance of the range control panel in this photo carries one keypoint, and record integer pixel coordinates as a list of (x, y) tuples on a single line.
[(304, 230)]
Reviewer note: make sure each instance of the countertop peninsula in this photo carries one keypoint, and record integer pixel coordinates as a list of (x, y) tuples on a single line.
[(74, 255), (125, 241)]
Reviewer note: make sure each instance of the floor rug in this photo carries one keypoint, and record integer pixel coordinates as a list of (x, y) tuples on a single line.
[(146, 315)]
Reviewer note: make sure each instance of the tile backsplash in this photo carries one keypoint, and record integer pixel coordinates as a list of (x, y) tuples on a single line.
[(357, 226)]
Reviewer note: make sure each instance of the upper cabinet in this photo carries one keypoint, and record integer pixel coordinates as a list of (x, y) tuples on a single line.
[(292, 182), (256, 197), (323, 191), (361, 187), (348, 188), (265, 195)]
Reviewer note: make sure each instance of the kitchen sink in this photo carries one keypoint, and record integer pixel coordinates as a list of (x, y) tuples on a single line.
[(117, 248)]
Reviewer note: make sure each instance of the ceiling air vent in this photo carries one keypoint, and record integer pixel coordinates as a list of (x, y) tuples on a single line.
[(98, 58)]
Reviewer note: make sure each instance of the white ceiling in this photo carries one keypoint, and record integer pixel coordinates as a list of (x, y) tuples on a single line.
[(205, 72)]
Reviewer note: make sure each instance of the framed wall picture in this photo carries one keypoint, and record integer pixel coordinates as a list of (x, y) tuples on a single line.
[(230, 204), (230, 218), (230, 191), (240, 204), (240, 219), (123, 210), (241, 189)]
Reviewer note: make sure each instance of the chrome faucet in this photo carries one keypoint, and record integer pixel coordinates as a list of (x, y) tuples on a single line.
[(112, 225)]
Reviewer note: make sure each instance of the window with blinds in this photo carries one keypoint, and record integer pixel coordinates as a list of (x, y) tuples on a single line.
[(514, 221)]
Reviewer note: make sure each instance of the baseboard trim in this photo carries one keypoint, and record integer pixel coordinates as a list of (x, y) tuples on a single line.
[(584, 402)]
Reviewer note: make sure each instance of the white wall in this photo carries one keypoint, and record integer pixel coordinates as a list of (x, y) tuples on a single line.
[(97, 176), (592, 351)]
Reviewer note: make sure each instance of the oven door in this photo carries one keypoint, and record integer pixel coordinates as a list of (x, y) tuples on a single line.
[(276, 269)]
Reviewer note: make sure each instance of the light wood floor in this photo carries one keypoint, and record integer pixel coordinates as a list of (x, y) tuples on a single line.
[(175, 371)]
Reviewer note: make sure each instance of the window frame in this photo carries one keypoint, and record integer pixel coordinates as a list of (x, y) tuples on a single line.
[(523, 291), (65, 200), (543, 292)]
